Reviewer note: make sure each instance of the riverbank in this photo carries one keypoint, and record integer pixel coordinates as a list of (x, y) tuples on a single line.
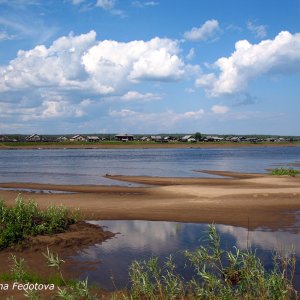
[(246, 200), (141, 145)]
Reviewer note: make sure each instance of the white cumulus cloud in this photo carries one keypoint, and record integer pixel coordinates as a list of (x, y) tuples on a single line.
[(205, 32), (113, 64), (82, 63), (278, 56), (58, 66)]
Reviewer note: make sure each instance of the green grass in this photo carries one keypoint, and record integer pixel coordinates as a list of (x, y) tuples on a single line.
[(24, 219), (285, 171)]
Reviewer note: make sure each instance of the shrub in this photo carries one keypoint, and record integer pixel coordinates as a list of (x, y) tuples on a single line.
[(285, 171), (25, 219)]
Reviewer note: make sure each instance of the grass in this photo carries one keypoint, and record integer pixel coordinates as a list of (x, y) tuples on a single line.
[(285, 171), (24, 219)]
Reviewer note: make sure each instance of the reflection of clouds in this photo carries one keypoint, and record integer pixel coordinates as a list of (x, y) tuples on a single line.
[(266, 240), (139, 235), (140, 240)]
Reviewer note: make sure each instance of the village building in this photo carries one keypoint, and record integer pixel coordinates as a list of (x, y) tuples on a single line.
[(93, 139), (124, 137), (33, 138), (78, 138), (62, 139), (186, 138)]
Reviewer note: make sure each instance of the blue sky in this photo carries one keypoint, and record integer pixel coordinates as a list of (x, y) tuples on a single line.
[(142, 66)]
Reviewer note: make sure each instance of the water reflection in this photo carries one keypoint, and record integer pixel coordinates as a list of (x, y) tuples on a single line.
[(138, 240)]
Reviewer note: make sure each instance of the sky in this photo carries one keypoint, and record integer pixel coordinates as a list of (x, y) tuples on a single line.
[(142, 66)]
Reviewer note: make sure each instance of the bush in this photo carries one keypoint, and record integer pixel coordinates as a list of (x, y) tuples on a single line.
[(285, 171), (25, 219)]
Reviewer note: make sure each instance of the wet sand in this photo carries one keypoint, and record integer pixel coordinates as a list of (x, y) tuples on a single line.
[(248, 200)]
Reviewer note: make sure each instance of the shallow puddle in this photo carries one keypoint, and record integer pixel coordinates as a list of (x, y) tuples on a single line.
[(140, 240)]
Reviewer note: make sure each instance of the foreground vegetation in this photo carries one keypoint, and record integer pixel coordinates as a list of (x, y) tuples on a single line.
[(25, 219), (218, 274), (285, 171)]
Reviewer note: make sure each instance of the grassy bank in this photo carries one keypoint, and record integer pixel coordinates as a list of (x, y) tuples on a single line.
[(139, 144), (24, 219)]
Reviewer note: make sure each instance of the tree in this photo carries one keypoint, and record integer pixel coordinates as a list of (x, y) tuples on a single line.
[(198, 136)]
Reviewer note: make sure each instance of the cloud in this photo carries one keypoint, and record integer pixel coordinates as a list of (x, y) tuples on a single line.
[(191, 54), (112, 64), (57, 66), (122, 113), (259, 31), (18, 28), (136, 96), (76, 73), (207, 31), (109, 5), (278, 56), (220, 109), (167, 119), (4, 36), (106, 4), (142, 4), (82, 63)]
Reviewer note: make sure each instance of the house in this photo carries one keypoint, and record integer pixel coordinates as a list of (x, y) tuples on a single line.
[(191, 140), (185, 138), (33, 138), (235, 139), (124, 137), (62, 139), (213, 139), (78, 138), (145, 139), (93, 139), (156, 138)]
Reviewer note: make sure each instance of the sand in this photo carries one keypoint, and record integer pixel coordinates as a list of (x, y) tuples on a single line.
[(248, 200)]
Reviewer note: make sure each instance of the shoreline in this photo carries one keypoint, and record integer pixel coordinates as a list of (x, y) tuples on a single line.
[(128, 145), (238, 199)]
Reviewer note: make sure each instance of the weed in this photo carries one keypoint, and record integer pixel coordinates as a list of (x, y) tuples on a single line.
[(285, 171), (25, 219), (218, 274)]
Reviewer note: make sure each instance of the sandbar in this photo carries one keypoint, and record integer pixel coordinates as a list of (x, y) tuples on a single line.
[(239, 199)]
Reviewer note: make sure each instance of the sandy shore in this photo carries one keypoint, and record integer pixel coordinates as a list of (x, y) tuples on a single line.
[(248, 200)]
